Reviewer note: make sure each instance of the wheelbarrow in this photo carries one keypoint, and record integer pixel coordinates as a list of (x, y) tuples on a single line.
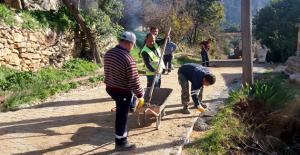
[(157, 105)]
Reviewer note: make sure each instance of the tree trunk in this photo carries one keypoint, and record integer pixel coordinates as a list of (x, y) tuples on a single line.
[(14, 3), (86, 30), (195, 34)]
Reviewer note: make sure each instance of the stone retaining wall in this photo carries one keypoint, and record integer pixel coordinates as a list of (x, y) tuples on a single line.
[(28, 50)]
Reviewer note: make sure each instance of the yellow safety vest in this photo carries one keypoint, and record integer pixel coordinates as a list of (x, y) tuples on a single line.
[(155, 59)]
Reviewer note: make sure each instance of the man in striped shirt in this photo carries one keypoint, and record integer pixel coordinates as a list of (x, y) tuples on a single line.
[(122, 83)]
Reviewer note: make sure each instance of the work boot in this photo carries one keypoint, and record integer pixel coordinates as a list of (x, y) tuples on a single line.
[(125, 147), (203, 105), (185, 110)]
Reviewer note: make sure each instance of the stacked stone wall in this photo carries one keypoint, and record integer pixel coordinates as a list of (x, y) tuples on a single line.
[(26, 50)]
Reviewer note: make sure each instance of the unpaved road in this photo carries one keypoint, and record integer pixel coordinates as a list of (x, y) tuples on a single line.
[(80, 122)]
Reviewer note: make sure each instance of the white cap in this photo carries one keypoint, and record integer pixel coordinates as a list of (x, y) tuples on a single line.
[(128, 36)]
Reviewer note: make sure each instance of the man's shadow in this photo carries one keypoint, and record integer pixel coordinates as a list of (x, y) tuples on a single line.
[(96, 136)]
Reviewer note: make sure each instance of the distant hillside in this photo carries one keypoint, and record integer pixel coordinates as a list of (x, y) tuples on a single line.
[(233, 9)]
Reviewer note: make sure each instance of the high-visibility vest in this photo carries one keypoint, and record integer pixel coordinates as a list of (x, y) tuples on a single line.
[(155, 59)]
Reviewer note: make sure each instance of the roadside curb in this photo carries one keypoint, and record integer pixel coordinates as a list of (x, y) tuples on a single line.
[(186, 138)]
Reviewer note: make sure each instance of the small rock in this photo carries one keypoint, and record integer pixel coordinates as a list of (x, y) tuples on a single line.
[(13, 59), (46, 52), (15, 51), (208, 120), (30, 55), (10, 41), (4, 52), (3, 41), (32, 37), (295, 78), (18, 37), (22, 50), (21, 45), (201, 125)]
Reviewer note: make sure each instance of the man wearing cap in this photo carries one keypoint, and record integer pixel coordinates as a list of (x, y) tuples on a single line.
[(199, 76), (122, 83)]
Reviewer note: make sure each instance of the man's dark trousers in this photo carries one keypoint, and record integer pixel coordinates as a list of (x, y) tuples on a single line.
[(123, 102), (150, 79), (205, 59), (168, 62)]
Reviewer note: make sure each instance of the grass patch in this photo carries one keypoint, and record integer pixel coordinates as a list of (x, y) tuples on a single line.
[(6, 15), (226, 129), (246, 116), (26, 87), (183, 59), (58, 20), (135, 53), (96, 79)]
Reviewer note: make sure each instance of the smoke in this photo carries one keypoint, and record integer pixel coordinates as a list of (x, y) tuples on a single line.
[(133, 12), (139, 13)]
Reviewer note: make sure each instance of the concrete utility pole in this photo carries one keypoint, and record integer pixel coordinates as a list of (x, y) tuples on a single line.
[(246, 25), (298, 43)]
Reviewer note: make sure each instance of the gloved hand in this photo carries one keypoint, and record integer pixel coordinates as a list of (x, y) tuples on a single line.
[(141, 102), (200, 108)]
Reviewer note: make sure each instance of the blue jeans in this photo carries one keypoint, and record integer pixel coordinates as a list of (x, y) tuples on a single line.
[(150, 79)]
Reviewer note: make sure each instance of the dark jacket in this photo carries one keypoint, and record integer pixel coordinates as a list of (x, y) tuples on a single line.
[(170, 48), (195, 74)]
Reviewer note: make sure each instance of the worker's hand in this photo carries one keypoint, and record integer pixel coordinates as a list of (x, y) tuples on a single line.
[(141, 102), (200, 108)]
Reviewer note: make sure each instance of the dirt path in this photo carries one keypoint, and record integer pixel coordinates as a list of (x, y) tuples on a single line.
[(80, 122)]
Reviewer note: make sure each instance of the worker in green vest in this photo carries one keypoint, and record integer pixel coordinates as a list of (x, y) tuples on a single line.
[(151, 55)]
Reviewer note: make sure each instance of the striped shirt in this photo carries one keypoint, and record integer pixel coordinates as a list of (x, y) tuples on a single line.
[(121, 72)]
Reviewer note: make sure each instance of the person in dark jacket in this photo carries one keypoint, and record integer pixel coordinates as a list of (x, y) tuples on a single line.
[(168, 55), (122, 83), (151, 55), (199, 76), (205, 47)]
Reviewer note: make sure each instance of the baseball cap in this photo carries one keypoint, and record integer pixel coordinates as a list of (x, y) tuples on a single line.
[(128, 36)]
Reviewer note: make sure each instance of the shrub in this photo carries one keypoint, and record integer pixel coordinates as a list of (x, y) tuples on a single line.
[(60, 20), (275, 27), (6, 15)]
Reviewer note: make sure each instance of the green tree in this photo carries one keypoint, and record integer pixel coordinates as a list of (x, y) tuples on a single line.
[(207, 16), (190, 19), (113, 8), (275, 27)]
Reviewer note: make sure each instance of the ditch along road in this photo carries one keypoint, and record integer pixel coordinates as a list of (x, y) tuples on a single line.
[(81, 121)]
